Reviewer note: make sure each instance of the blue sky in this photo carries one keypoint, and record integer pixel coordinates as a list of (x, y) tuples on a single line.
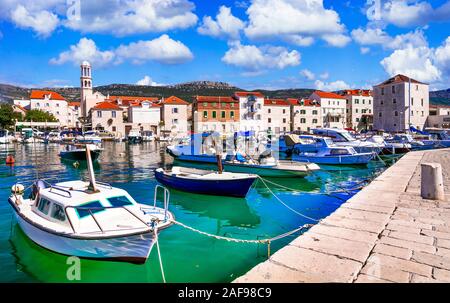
[(252, 44)]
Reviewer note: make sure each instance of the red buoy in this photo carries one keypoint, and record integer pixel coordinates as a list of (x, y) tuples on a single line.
[(10, 160)]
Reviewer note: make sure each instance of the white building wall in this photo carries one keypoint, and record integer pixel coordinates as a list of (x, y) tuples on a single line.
[(249, 120), (357, 106), (333, 107), (278, 118), (305, 118)]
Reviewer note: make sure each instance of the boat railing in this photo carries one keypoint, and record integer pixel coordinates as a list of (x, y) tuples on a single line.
[(98, 208), (166, 194), (61, 190)]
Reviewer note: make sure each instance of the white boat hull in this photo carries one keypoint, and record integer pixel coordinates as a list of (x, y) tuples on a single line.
[(132, 248)]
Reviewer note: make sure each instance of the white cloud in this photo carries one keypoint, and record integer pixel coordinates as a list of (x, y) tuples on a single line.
[(442, 56), (406, 13), (85, 49), (147, 81), (364, 50), (163, 50), (273, 19), (376, 36), (42, 21), (253, 58), (117, 17), (225, 25), (324, 76), (416, 63), (299, 40), (309, 75), (331, 86)]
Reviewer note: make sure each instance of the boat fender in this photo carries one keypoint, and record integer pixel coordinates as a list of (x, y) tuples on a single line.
[(10, 159), (17, 189)]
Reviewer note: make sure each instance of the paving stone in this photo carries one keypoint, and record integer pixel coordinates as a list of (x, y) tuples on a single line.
[(344, 233), (432, 259), (354, 250), (436, 234), (400, 264), (375, 227), (398, 252), (445, 252), (385, 272), (318, 267), (364, 206), (422, 279), (412, 237), (268, 272), (362, 215), (403, 229), (362, 278), (408, 244), (412, 224), (441, 275)]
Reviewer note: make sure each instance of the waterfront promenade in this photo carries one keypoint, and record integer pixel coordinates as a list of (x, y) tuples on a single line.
[(385, 233)]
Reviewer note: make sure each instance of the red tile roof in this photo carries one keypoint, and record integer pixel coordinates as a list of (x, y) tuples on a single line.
[(276, 102), (245, 94), (105, 105), (217, 99), (139, 103), (40, 94), (174, 100), (400, 79), (127, 100), (75, 103), (357, 92), (328, 95), (306, 102)]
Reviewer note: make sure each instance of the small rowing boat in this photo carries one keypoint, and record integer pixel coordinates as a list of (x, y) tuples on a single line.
[(206, 182)]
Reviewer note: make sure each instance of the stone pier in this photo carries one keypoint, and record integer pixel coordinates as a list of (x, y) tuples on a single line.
[(385, 233)]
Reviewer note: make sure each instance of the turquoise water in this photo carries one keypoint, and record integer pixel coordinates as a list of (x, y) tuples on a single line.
[(187, 256)]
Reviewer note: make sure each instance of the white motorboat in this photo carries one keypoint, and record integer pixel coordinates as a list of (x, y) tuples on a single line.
[(148, 136), (134, 136), (5, 137), (342, 137), (322, 150), (89, 137), (53, 137), (390, 147), (90, 219)]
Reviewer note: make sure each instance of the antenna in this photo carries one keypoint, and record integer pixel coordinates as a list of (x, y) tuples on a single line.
[(92, 184)]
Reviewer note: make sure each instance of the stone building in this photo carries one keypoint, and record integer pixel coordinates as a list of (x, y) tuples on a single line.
[(333, 108), (399, 103), (107, 116), (215, 113), (174, 116), (305, 114), (359, 110), (277, 113)]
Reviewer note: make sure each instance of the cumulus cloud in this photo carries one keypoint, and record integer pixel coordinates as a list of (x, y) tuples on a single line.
[(85, 49), (253, 58), (309, 75), (41, 21), (299, 40), (416, 63), (269, 19), (331, 86), (364, 50), (163, 50), (226, 25), (117, 17), (147, 81), (442, 57), (376, 36)]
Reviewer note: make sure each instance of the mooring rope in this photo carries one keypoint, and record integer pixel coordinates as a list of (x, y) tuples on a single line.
[(155, 229)]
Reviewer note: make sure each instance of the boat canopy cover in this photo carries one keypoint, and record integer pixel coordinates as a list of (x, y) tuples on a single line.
[(246, 134), (415, 130)]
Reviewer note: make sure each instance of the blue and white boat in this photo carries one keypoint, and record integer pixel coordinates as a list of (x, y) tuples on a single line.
[(415, 144), (89, 219), (322, 150), (205, 181), (342, 137), (439, 137), (91, 137)]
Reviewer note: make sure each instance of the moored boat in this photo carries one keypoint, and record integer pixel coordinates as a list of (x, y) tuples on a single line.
[(205, 181), (78, 152)]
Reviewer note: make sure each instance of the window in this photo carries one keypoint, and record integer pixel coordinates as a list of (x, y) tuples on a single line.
[(205, 114), (314, 121), (356, 101), (93, 207), (417, 87), (394, 100), (47, 104), (114, 128), (231, 114), (214, 104), (412, 101), (380, 115), (314, 112), (57, 104), (302, 120), (393, 89), (363, 101), (422, 114), (412, 113), (223, 114), (99, 114), (37, 104), (174, 121), (232, 105), (284, 120), (205, 104), (269, 110), (175, 110), (370, 102), (382, 91), (356, 110), (284, 111), (119, 201), (357, 119), (303, 112), (58, 212), (113, 114), (214, 114), (269, 120), (43, 206), (396, 113), (57, 113), (421, 102)]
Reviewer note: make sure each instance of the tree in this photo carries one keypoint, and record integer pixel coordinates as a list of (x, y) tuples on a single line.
[(37, 115), (8, 116)]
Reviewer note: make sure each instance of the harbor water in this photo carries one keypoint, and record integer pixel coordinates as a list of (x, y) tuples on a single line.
[(186, 256)]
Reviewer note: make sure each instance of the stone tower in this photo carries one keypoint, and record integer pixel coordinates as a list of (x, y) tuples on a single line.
[(86, 89)]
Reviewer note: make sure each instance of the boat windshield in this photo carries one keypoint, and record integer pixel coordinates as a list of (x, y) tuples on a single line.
[(347, 136), (89, 208)]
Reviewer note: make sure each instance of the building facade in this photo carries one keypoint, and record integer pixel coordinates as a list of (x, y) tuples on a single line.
[(174, 116), (145, 115), (305, 114), (251, 113), (215, 113), (400, 103), (359, 111), (439, 117), (277, 113), (333, 108), (107, 116)]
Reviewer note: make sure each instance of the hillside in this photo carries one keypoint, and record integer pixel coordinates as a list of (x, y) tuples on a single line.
[(186, 91), (441, 97)]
